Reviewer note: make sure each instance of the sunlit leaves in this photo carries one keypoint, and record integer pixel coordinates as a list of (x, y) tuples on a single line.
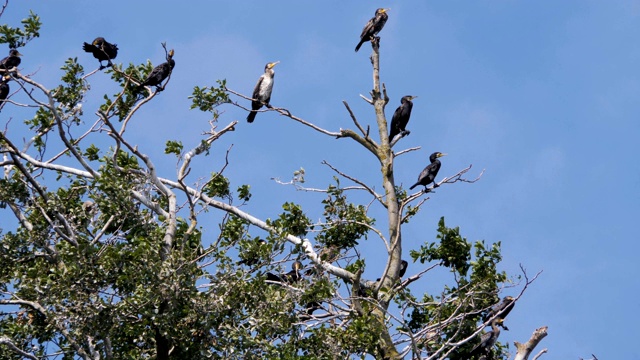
[(18, 37)]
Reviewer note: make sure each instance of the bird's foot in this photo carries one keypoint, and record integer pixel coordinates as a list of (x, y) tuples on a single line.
[(101, 67), (405, 133), (268, 106)]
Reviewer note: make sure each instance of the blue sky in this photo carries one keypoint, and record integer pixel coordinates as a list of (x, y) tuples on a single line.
[(543, 95)]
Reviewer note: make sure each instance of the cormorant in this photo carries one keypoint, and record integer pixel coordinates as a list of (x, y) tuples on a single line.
[(102, 50), (403, 268), (4, 87), (401, 117), (502, 310), (373, 27), (428, 175), (252, 255), (11, 61), (160, 73), (290, 277), (487, 340), (262, 91)]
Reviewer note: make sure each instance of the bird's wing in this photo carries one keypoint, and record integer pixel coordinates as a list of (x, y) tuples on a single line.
[(256, 90), (425, 172), (89, 47), (367, 28)]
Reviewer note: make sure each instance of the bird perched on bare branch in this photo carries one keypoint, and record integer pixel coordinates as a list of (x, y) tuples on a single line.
[(11, 61), (401, 117), (4, 87), (102, 50), (501, 310), (487, 340), (373, 27), (262, 92), (428, 175), (160, 73)]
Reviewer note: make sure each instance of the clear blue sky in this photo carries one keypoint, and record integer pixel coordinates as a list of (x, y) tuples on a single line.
[(541, 94)]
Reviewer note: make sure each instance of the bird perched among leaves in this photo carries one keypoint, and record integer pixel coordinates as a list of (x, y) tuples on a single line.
[(12, 60), (487, 340), (4, 87), (102, 50), (501, 310), (401, 117), (262, 91), (160, 73), (373, 27), (290, 277), (428, 175)]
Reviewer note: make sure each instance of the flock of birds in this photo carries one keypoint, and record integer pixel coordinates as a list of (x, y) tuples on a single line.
[(105, 51)]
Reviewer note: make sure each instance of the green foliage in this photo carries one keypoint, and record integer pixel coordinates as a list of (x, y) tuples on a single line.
[(72, 92), (173, 147), (19, 37), (453, 250), (207, 99), (217, 186), (292, 221), (345, 223)]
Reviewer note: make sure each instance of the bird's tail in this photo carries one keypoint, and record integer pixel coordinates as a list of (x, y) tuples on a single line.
[(359, 44), (87, 47), (251, 116), (414, 185)]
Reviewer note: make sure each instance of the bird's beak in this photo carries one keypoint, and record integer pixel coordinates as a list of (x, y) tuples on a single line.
[(273, 64), (414, 97), (385, 10), (171, 53), (18, 53), (441, 155)]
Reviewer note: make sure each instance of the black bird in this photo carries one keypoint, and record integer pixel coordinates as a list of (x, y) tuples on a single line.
[(373, 27), (4, 87), (290, 277), (403, 268), (12, 60), (252, 255), (501, 310), (160, 73), (401, 117), (102, 50), (428, 175), (262, 91), (487, 340)]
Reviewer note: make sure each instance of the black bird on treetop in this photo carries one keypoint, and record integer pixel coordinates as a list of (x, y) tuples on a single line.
[(428, 175), (160, 73), (373, 27), (4, 87), (290, 277), (12, 60), (262, 91), (401, 117), (487, 340), (102, 50), (501, 310)]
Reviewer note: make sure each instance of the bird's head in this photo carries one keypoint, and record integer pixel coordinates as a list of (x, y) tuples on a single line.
[(381, 11), (508, 298), (271, 65), (297, 265), (171, 53), (14, 52), (436, 155), (98, 41), (6, 78), (408, 98)]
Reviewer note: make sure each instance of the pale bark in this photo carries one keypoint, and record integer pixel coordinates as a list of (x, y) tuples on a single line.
[(524, 350)]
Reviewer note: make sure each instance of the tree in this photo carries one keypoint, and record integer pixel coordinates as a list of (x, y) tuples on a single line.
[(108, 259)]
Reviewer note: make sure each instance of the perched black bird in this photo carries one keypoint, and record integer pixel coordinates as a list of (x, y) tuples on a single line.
[(487, 340), (102, 50), (290, 277), (428, 175), (262, 91), (252, 255), (373, 27), (401, 117), (11, 61), (4, 87), (403, 268), (501, 310), (160, 73)]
